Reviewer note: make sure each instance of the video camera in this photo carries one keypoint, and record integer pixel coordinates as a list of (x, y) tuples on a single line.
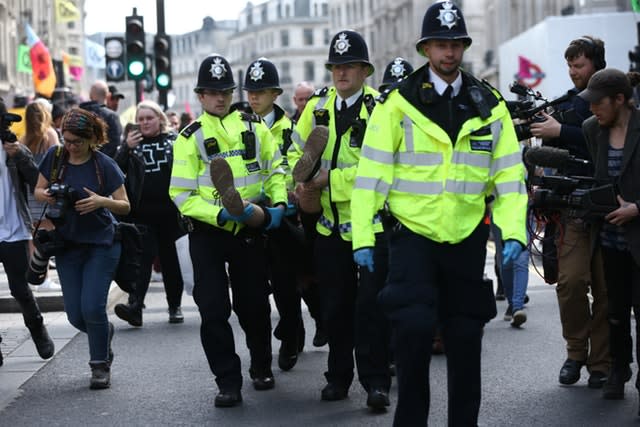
[(5, 121), (576, 196), (527, 111)]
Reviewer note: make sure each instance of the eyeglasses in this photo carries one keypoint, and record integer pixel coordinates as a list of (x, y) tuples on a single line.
[(73, 141)]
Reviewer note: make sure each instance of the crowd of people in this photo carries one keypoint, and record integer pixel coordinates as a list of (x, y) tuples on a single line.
[(361, 204)]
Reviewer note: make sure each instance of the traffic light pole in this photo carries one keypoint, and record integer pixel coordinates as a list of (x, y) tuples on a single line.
[(138, 90), (162, 93)]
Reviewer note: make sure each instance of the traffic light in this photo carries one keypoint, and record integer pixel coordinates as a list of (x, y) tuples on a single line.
[(162, 54), (634, 58), (147, 78), (114, 52), (134, 37)]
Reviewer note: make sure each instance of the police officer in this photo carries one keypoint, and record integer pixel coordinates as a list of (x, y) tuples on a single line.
[(343, 111), (285, 243), (243, 144), (436, 146), (396, 70)]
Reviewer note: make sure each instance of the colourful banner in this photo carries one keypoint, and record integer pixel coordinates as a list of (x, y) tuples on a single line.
[(66, 11), (73, 65), (23, 63), (44, 77)]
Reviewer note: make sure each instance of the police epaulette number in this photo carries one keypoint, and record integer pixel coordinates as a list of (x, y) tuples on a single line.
[(250, 117), (320, 92), (189, 130)]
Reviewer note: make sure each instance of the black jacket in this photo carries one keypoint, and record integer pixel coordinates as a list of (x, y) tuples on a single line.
[(114, 131)]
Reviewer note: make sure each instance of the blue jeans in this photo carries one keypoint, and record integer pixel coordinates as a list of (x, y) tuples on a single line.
[(515, 279), (85, 275)]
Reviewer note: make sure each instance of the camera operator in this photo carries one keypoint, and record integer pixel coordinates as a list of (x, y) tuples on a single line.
[(88, 261), (584, 325), (612, 137), (17, 169)]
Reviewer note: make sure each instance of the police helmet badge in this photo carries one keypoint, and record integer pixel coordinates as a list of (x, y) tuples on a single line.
[(218, 70), (448, 17), (256, 72), (397, 69), (342, 44)]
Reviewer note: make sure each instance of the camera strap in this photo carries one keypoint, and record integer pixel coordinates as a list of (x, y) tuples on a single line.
[(58, 168)]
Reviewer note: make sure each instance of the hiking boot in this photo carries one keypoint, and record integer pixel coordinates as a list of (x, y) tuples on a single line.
[(130, 312), (519, 317), (222, 179), (100, 375), (175, 315), (307, 166)]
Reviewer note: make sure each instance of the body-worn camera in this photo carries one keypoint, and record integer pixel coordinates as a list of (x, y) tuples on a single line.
[(527, 111), (65, 196), (47, 244)]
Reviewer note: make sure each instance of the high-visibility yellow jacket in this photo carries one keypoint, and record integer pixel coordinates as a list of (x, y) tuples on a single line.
[(340, 158), (282, 131), (433, 187), (257, 177)]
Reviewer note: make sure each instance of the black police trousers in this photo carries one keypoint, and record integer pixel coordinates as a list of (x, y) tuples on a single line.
[(351, 313), (286, 254), (430, 281), (210, 248)]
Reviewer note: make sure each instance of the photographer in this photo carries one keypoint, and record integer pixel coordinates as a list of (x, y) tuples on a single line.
[(584, 326), (17, 169), (83, 188), (612, 137)]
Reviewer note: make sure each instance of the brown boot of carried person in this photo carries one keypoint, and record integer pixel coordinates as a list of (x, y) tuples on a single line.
[(312, 152), (308, 198), (222, 179)]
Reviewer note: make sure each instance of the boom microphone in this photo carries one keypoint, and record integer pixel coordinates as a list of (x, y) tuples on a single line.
[(551, 157)]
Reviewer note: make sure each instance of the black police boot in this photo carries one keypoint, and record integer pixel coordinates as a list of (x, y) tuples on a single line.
[(378, 398), (100, 375), (333, 391), (619, 374), (130, 312), (288, 355), (320, 338), (35, 323), (228, 398)]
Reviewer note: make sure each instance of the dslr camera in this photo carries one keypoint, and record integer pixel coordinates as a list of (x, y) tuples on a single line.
[(47, 244), (527, 111), (65, 196)]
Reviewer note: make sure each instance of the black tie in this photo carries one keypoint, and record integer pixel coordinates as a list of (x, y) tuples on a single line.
[(448, 92), (343, 106)]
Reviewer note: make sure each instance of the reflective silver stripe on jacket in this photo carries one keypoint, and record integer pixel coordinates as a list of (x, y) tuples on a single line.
[(506, 162), (415, 187), (372, 184), (510, 187), (472, 159), (407, 124), (465, 187)]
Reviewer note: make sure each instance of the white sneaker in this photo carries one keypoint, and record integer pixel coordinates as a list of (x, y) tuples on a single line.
[(49, 285)]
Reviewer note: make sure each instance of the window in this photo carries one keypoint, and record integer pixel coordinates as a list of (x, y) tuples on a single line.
[(309, 71), (285, 76), (325, 9), (308, 36), (327, 36), (284, 38)]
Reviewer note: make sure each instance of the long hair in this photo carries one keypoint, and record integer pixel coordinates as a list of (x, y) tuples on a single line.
[(157, 110), (87, 125), (37, 121)]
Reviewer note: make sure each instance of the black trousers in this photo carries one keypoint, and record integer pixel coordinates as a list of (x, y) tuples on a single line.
[(287, 257), (622, 276), (430, 281), (15, 260), (160, 239), (351, 314), (210, 248)]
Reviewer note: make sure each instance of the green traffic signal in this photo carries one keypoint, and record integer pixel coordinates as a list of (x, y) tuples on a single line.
[(136, 68), (163, 81)]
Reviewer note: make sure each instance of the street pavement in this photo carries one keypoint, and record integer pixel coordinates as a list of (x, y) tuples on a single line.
[(160, 377)]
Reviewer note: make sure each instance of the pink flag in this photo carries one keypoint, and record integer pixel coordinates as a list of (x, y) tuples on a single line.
[(524, 71)]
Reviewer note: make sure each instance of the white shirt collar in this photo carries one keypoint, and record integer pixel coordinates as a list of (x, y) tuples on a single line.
[(270, 118), (350, 100), (440, 85)]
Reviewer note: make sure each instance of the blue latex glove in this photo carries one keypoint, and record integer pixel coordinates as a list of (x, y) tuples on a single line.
[(510, 252), (291, 210), (364, 258), (225, 216), (276, 217)]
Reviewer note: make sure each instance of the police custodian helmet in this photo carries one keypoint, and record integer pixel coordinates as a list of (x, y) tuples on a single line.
[(348, 47), (396, 70), (262, 74), (214, 73), (443, 20)]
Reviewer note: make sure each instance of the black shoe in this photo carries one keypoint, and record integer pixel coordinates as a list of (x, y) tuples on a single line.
[(42, 340), (228, 398), (264, 382), (613, 388), (500, 296), (175, 315), (597, 379), (332, 392), (288, 355), (570, 372), (508, 314), (110, 354), (320, 338), (378, 398), (100, 375), (526, 299), (130, 313)]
